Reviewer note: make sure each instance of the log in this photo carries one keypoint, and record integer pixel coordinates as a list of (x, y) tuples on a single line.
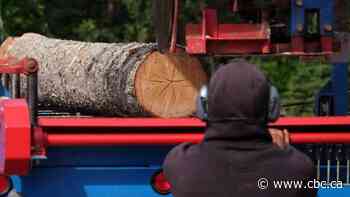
[(110, 79)]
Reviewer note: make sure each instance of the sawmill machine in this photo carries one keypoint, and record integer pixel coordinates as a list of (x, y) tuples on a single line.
[(52, 153)]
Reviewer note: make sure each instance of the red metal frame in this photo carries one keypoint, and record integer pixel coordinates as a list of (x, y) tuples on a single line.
[(212, 37), (298, 44), (75, 122), (187, 130), (312, 121), (23, 66), (322, 47), (320, 138), (121, 139), (15, 134), (176, 138)]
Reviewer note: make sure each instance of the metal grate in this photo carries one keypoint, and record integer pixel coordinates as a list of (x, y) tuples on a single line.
[(332, 162)]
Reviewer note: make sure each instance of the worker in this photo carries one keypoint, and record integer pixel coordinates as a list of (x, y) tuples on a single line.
[(237, 156)]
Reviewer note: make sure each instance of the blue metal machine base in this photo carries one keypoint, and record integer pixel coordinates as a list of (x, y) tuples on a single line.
[(94, 172), (344, 192), (103, 172)]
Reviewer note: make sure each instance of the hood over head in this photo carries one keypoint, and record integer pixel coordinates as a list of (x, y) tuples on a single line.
[(238, 103)]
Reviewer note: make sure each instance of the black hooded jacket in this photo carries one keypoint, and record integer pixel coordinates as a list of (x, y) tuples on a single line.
[(237, 149)]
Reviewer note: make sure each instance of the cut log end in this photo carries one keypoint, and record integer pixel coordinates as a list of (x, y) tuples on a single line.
[(166, 85)]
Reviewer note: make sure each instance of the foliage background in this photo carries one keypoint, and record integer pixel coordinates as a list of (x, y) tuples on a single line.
[(130, 20)]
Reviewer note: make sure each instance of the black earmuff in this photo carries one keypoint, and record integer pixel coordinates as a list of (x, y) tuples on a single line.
[(202, 104), (273, 108), (274, 105)]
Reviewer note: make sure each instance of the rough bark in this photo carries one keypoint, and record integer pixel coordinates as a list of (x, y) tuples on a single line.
[(95, 78)]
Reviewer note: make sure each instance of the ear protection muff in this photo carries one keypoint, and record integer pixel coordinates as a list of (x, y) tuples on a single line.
[(273, 108), (274, 105), (202, 103)]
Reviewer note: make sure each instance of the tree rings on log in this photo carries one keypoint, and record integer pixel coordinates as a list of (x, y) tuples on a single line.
[(167, 84)]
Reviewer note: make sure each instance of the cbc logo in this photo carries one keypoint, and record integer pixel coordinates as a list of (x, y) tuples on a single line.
[(263, 183)]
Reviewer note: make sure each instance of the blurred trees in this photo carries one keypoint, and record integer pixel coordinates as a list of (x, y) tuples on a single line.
[(298, 81), (130, 20), (91, 20)]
